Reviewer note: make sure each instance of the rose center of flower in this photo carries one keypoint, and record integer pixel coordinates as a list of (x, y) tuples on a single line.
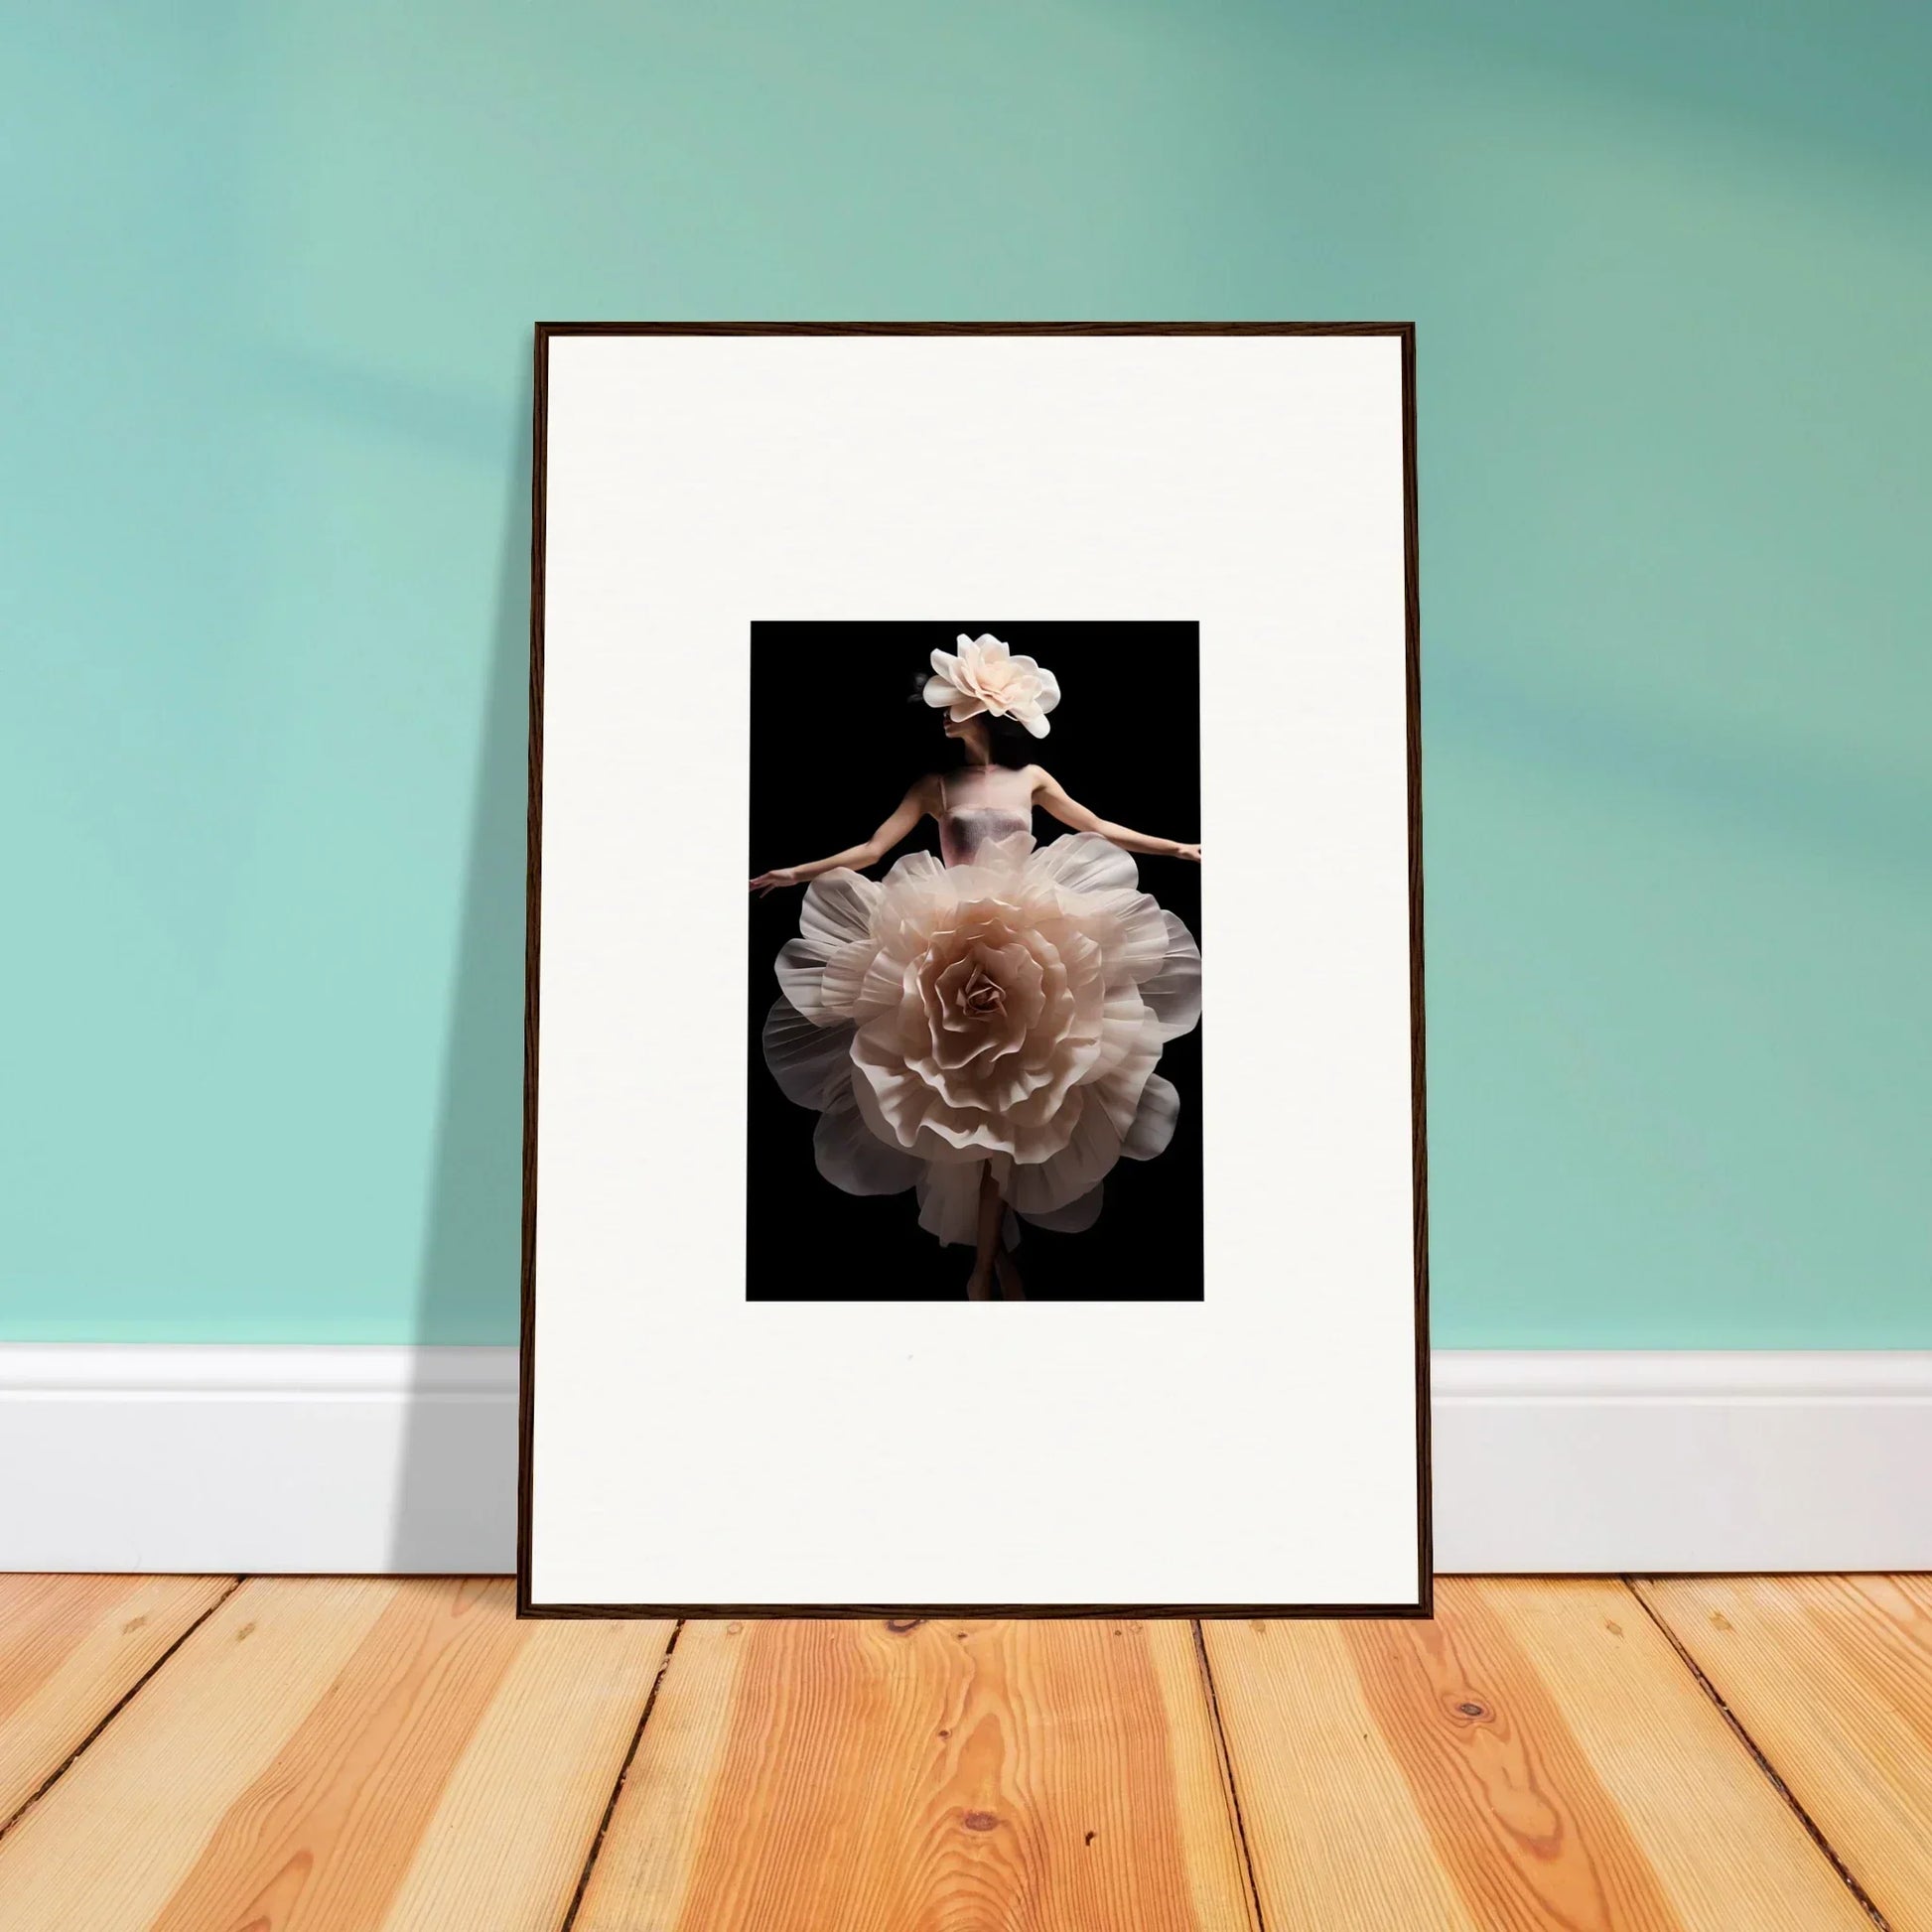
[(982, 996)]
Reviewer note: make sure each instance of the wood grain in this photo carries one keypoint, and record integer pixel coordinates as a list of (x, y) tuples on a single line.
[(1536, 1757), (925, 1776), (330, 1755), (325, 1755), (71, 1650), (1832, 1678)]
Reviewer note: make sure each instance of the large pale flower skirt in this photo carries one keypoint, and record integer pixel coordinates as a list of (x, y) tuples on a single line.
[(1011, 1010)]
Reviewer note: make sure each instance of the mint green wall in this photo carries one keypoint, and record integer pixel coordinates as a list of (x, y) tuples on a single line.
[(269, 275)]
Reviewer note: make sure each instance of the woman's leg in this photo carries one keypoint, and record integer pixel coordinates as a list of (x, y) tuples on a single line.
[(1011, 1288), (987, 1237)]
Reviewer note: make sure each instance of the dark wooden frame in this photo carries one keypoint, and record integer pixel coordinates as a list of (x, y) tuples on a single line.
[(1405, 332)]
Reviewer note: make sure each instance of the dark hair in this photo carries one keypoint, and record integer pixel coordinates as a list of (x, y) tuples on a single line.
[(1011, 740), (1008, 742)]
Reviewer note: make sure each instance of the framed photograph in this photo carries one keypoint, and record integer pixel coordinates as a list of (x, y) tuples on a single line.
[(974, 858)]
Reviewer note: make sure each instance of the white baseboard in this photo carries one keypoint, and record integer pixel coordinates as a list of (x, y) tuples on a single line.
[(345, 1459), (259, 1460), (1567, 1462)]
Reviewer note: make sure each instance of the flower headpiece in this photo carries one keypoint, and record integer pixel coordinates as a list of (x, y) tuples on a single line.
[(984, 677)]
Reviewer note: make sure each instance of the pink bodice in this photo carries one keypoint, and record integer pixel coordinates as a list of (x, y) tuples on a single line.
[(982, 802)]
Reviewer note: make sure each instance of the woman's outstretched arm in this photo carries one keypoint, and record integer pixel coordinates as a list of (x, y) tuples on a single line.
[(1048, 795), (909, 810)]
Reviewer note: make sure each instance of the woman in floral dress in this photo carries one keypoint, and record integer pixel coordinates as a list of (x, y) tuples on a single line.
[(985, 1027)]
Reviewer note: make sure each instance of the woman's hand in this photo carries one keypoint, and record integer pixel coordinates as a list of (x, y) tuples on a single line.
[(1188, 852), (768, 880)]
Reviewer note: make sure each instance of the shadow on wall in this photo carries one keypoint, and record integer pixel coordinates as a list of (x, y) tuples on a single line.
[(457, 1486)]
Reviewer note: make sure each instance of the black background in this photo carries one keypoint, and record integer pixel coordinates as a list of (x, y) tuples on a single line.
[(837, 738)]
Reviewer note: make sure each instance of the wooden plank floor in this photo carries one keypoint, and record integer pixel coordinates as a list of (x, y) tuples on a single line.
[(207, 1754)]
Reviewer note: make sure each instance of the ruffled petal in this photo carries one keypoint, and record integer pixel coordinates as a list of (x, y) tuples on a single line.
[(836, 913), (1120, 1089), (1083, 1162), (800, 968), (917, 871), (1141, 941), (1076, 1217), (1173, 990), (949, 1198), (878, 1089), (851, 1156), (1154, 1123), (858, 981), (838, 908), (1084, 862), (810, 1063), (1002, 857)]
